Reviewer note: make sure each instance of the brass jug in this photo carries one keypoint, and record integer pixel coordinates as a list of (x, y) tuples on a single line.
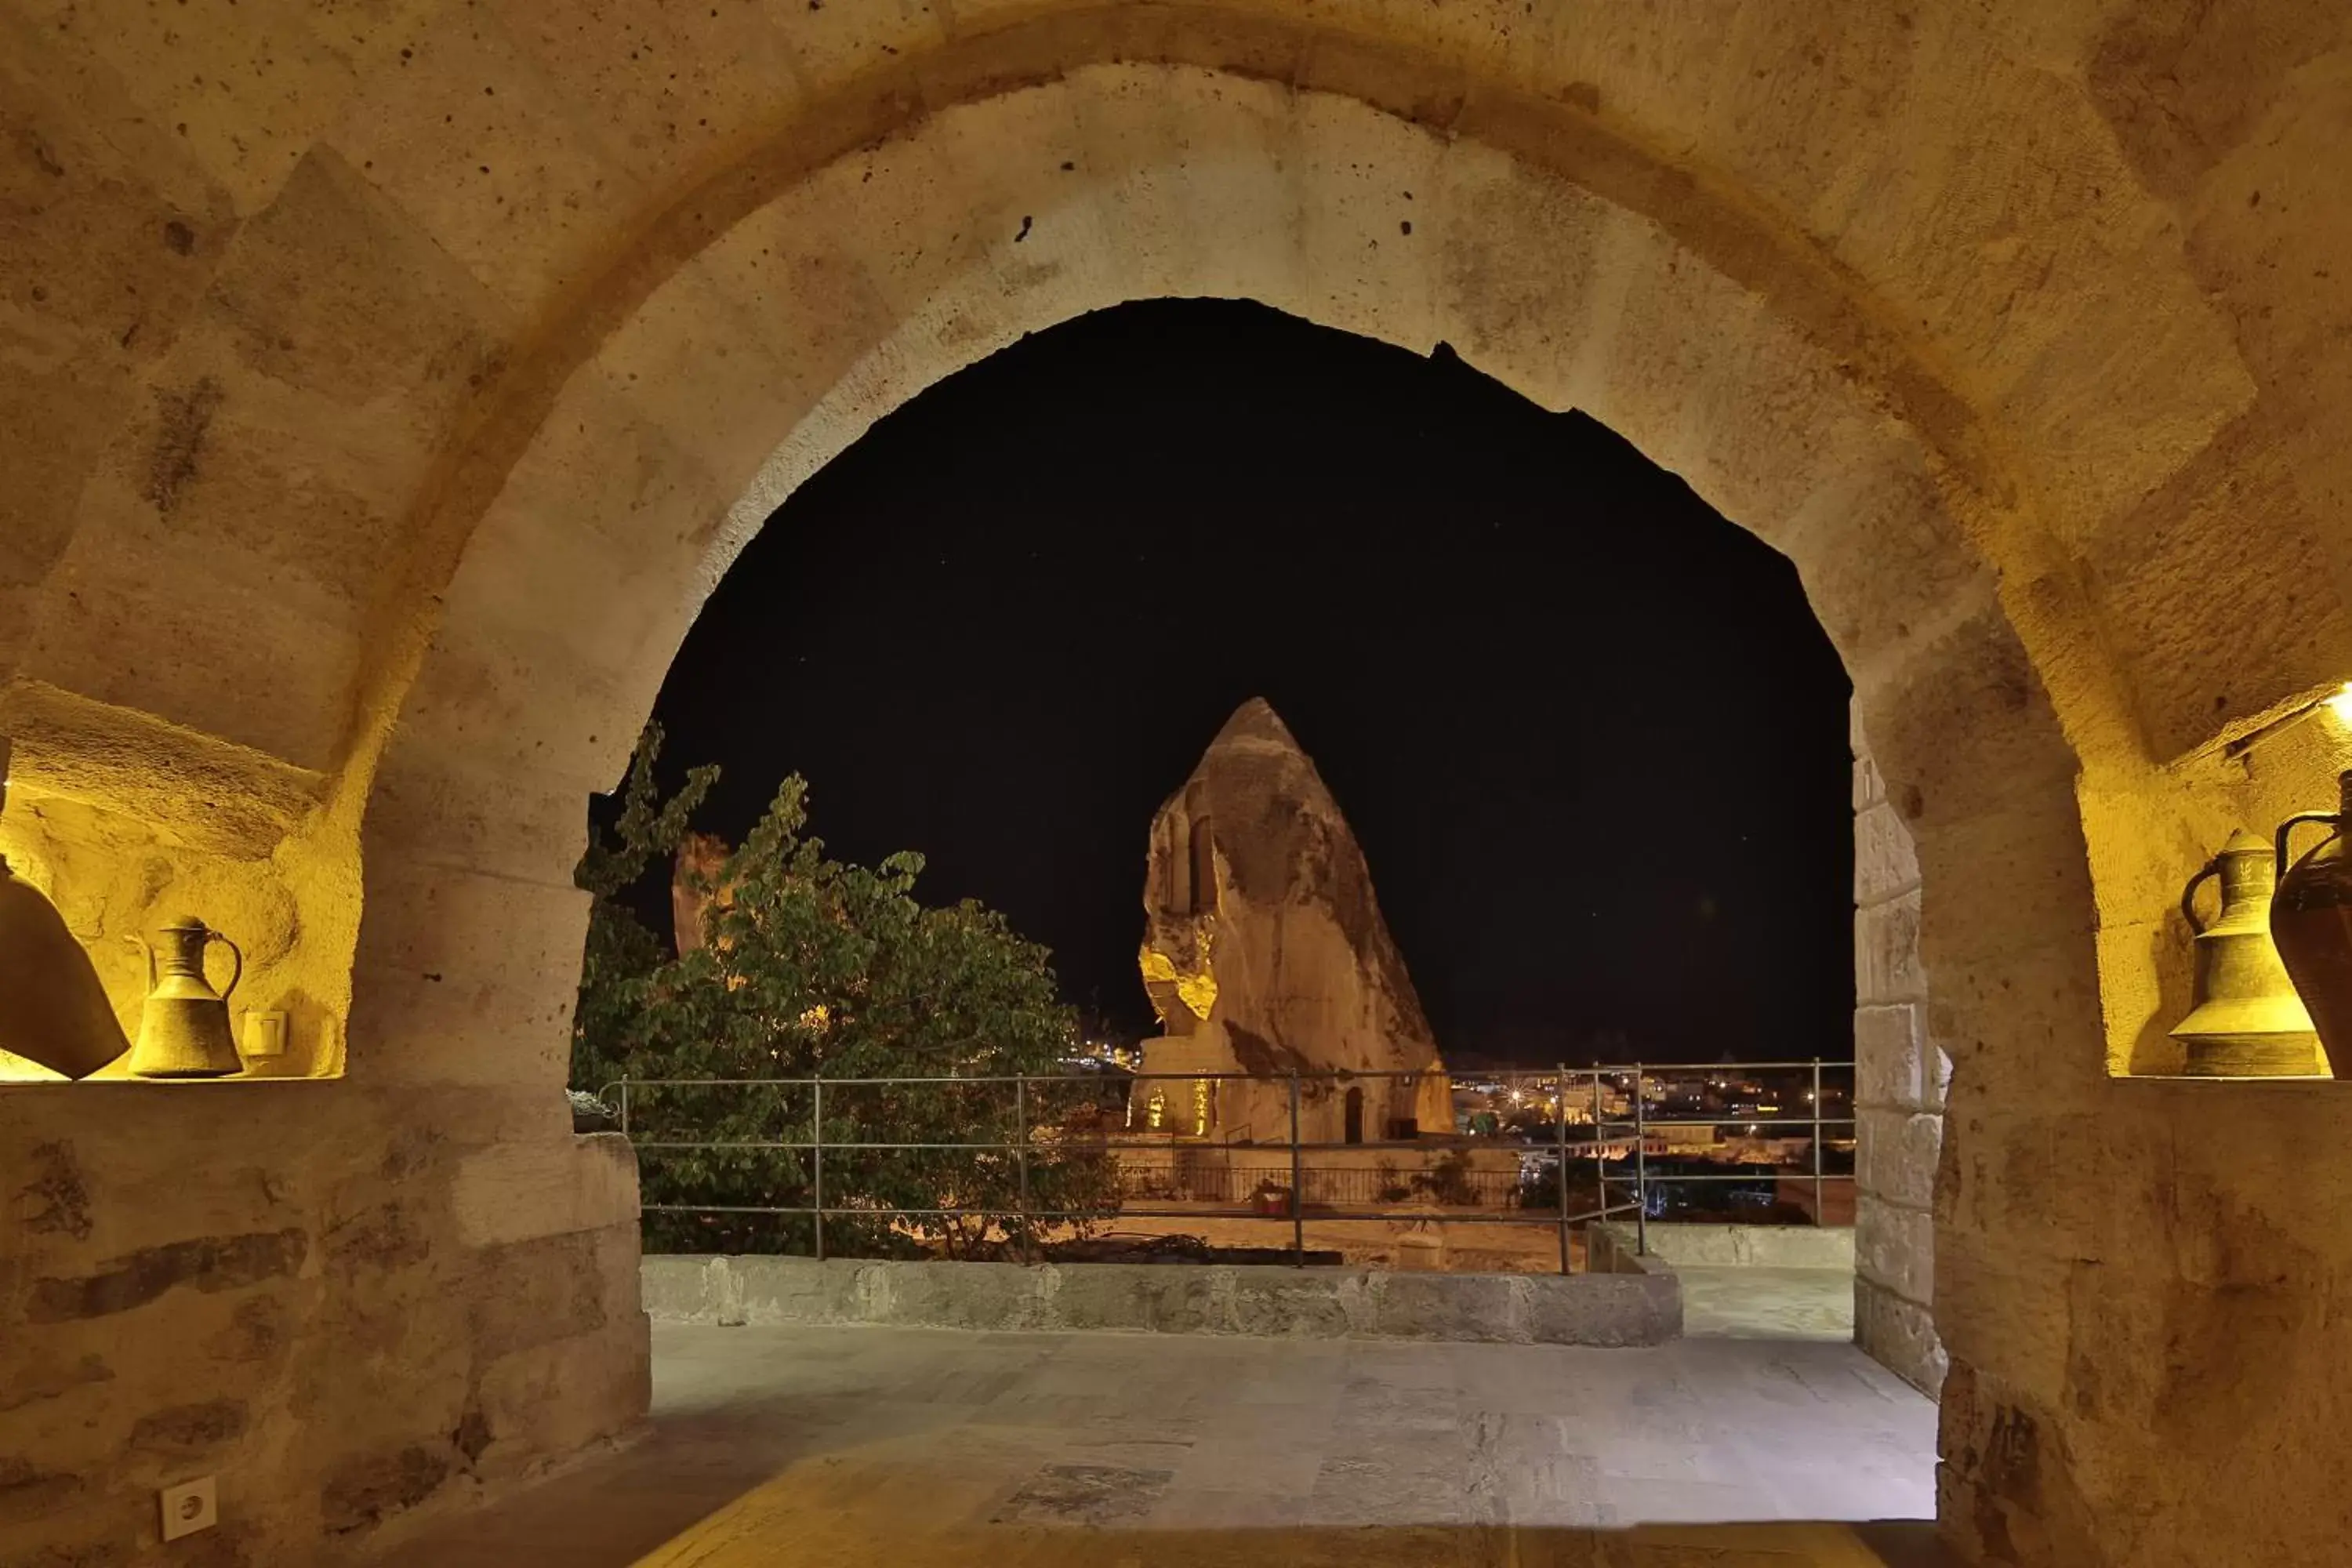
[(183, 1029), (2248, 1021), (2311, 921), (55, 1012)]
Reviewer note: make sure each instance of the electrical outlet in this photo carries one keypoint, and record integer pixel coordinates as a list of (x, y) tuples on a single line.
[(189, 1507), (265, 1034)]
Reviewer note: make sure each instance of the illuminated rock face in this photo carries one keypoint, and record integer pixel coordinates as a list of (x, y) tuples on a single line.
[(1264, 952)]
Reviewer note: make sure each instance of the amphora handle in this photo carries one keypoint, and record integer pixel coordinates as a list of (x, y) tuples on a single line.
[(2189, 894), (2286, 830)]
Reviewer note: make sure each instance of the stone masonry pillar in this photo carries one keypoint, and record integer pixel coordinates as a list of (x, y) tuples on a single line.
[(1899, 1079)]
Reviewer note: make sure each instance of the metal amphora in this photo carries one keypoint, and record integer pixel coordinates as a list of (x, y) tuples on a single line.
[(183, 1029), (2248, 1021), (2311, 922), (55, 1012)]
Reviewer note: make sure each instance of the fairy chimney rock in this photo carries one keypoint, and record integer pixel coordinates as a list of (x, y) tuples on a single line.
[(693, 878), (1265, 951)]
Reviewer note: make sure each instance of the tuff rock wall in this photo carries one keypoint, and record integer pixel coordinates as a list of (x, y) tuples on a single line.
[(1900, 1077), (388, 385)]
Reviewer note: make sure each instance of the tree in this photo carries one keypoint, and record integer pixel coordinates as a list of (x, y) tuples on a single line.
[(815, 969)]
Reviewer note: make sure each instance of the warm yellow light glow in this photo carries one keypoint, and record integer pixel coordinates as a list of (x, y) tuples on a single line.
[(2341, 703), (1197, 990), (15, 1068)]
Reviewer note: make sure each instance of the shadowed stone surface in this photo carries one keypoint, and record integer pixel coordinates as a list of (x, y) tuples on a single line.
[(856, 1444)]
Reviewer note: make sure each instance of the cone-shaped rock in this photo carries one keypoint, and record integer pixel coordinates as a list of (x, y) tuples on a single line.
[(1264, 952)]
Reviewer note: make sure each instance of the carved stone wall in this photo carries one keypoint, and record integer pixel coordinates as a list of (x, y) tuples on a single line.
[(388, 388), (1899, 1079), (344, 1303)]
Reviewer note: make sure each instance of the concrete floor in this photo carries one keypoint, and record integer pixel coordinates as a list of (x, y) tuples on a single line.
[(1749, 1302), (861, 1446)]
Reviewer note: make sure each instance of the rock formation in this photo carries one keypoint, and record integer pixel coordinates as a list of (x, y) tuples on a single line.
[(691, 887), (1264, 952)]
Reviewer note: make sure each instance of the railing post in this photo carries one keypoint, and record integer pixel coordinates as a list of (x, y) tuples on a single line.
[(1297, 1191), (1020, 1132), (1820, 1216), (1640, 1166), (625, 1108), (1600, 1151), (1560, 1122), (816, 1149)]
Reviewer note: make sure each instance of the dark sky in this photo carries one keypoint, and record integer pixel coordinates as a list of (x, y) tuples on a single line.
[(1588, 734)]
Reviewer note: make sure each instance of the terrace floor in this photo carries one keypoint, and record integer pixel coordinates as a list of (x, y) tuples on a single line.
[(865, 1446), (1752, 1301)]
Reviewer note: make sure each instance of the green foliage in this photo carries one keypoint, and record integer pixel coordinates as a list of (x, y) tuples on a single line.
[(1447, 1179), (812, 968), (622, 958)]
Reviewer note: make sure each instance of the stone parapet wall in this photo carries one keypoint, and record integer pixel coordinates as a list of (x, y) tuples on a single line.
[(1745, 1245), (1640, 1308), (1898, 1094)]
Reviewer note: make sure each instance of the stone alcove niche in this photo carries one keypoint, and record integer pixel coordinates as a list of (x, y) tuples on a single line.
[(125, 840), (2252, 776)]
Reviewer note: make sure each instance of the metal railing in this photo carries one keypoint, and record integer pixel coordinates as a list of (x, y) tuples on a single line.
[(1610, 1107)]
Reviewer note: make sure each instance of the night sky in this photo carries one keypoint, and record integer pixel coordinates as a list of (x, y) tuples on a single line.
[(1589, 734)]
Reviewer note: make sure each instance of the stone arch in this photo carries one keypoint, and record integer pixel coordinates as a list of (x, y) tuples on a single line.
[(743, 368), (897, 264)]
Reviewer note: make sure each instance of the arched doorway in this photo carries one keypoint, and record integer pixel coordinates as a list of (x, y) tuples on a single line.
[(1825, 466)]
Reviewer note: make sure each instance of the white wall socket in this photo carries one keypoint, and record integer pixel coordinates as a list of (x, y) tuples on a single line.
[(189, 1507), (265, 1034)]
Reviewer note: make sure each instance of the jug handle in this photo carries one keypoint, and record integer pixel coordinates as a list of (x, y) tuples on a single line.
[(235, 952), (2286, 829), (2189, 894)]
